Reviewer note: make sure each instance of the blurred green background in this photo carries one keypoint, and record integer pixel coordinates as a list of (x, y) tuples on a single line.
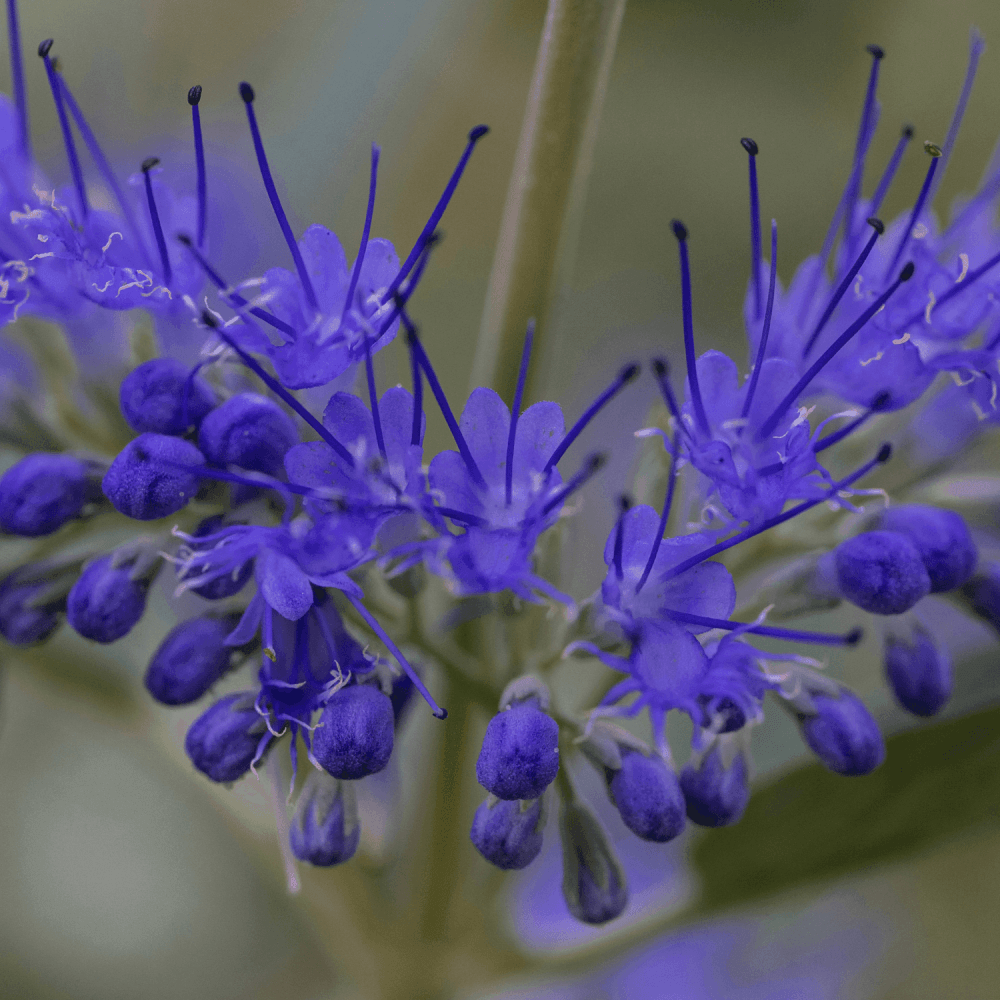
[(123, 878)]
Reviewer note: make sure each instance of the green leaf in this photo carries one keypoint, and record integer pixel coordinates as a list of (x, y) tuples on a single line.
[(813, 825)]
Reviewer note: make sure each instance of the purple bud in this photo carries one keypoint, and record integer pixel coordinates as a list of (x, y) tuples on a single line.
[(520, 754), (508, 833), (593, 884), (919, 672), (150, 477), (43, 491), (221, 586), (250, 431), (648, 796), (105, 603), (162, 396), (881, 572), (191, 658), (983, 593), (325, 829), (941, 537), (843, 734), (222, 741), (21, 622), (354, 737), (715, 795)]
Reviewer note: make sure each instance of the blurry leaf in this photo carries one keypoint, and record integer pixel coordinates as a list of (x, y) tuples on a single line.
[(812, 824)]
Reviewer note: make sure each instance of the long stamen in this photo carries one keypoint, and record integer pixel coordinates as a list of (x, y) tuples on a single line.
[(851, 638), (884, 454), (67, 132), (879, 404), (474, 136), (976, 46), (373, 395), (891, 168), (515, 410), (958, 288), (762, 346), (246, 92), (935, 153), (832, 350), (661, 371), (664, 517), (590, 467), (457, 515), (624, 503), (879, 228), (751, 147), (194, 98), (102, 163), (413, 341), (17, 78), (866, 130), (680, 231), (628, 374), (418, 398), (441, 713), (234, 298), (154, 217), (277, 388), (369, 212)]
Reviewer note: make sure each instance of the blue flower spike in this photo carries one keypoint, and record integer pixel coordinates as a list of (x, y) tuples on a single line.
[(508, 832), (519, 758), (593, 884), (919, 672), (354, 737), (325, 829)]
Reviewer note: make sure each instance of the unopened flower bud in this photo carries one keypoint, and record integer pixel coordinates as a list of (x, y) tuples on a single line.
[(715, 795), (983, 593), (520, 754), (250, 431), (593, 883), (919, 672), (43, 491), (162, 396), (22, 622), (105, 602), (881, 572), (325, 830), (151, 476), (223, 740), (354, 737), (191, 658), (941, 537), (648, 796), (508, 833), (843, 734)]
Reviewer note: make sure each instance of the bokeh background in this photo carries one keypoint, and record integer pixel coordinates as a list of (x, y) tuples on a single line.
[(121, 876)]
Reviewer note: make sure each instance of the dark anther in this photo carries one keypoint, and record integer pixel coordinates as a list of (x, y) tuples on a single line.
[(630, 372), (907, 131), (477, 133), (185, 239), (877, 224), (194, 94), (884, 453), (931, 149), (907, 272), (149, 163), (881, 401), (875, 51), (680, 230), (854, 637), (45, 47), (750, 146), (246, 92), (660, 367), (208, 319)]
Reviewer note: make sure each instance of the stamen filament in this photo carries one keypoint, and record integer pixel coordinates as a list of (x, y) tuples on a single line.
[(841, 290), (866, 130), (958, 288), (441, 713), (831, 351), (17, 78), (456, 515), (67, 132), (765, 332), (665, 516), (418, 398), (628, 374), (852, 638), (590, 467), (891, 168), (194, 97), (154, 217), (680, 231), (661, 370), (623, 505), (884, 454), (935, 153), (515, 410), (425, 234), (751, 147), (373, 395), (369, 212), (246, 92)]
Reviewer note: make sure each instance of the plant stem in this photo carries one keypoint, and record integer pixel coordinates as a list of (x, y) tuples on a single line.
[(541, 219)]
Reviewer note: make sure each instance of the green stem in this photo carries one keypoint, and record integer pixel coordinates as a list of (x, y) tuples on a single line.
[(541, 219)]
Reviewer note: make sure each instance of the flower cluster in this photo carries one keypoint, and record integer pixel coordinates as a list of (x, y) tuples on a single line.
[(287, 524)]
